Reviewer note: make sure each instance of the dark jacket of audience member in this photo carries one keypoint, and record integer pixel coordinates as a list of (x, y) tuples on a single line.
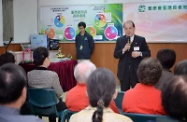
[(174, 98), (144, 97), (13, 94), (7, 58), (181, 68), (167, 58)]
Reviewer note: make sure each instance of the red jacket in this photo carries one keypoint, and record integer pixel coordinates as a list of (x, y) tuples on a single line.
[(143, 99), (77, 99)]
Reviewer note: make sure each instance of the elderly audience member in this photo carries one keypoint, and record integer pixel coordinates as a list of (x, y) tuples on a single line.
[(13, 90), (174, 98), (76, 98), (181, 68), (41, 77), (144, 97), (101, 86)]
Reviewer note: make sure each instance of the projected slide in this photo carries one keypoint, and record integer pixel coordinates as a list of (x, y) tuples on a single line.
[(59, 21), (111, 32), (69, 33)]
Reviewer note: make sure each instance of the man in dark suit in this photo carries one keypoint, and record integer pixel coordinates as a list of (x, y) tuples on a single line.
[(130, 50)]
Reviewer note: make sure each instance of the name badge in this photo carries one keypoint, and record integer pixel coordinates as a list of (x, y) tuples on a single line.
[(81, 47), (136, 48)]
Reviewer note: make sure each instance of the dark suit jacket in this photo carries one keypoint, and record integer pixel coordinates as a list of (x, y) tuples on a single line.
[(126, 57)]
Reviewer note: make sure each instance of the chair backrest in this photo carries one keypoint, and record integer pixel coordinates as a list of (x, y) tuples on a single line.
[(119, 100), (66, 115), (149, 118), (43, 101)]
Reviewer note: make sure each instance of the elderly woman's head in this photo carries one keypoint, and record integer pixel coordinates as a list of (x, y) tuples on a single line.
[(149, 71), (101, 87), (41, 56)]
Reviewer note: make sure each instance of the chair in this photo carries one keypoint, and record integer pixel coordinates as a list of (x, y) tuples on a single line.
[(149, 118), (66, 115), (119, 100), (43, 102)]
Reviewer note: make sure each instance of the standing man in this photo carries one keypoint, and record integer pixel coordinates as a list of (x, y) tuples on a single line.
[(84, 43), (130, 50)]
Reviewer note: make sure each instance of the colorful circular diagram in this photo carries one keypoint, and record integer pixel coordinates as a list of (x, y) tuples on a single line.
[(91, 31), (100, 20), (50, 32), (111, 32), (69, 33), (59, 21)]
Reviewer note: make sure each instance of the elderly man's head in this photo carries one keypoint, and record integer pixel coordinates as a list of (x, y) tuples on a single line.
[(83, 70), (12, 85)]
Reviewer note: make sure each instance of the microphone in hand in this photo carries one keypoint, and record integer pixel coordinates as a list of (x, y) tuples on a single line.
[(129, 39)]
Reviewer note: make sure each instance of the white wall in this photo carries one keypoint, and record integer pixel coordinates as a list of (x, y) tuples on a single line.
[(25, 20), (1, 24), (25, 14), (80, 2)]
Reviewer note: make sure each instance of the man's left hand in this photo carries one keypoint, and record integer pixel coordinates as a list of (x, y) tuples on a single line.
[(136, 54)]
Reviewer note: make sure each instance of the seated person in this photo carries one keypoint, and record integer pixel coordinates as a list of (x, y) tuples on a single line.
[(7, 58), (41, 77), (13, 90), (174, 98), (181, 68), (101, 86), (76, 98), (144, 98), (167, 59)]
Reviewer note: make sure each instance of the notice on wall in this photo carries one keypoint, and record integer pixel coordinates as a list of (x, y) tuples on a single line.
[(159, 21), (104, 22)]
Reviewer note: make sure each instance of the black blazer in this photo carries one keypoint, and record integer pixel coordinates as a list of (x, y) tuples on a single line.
[(124, 58)]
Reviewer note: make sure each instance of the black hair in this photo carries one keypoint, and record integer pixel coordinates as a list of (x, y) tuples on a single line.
[(12, 81), (82, 24), (39, 55), (149, 71), (174, 98), (101, 86), (181, 68), (7, 58), (167, 58)]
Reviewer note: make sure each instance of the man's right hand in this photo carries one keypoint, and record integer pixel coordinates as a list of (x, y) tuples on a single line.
[(127, 47)]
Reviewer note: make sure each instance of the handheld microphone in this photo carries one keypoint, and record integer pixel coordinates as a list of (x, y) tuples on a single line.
[(11, 39), (129, 39)]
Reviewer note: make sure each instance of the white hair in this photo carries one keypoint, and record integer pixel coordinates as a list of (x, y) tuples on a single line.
[(83, 70)]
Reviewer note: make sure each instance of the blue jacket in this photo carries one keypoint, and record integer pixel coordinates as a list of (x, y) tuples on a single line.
[(84, 46)]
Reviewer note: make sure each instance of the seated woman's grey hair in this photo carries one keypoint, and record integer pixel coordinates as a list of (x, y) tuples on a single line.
[(100, 88)]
